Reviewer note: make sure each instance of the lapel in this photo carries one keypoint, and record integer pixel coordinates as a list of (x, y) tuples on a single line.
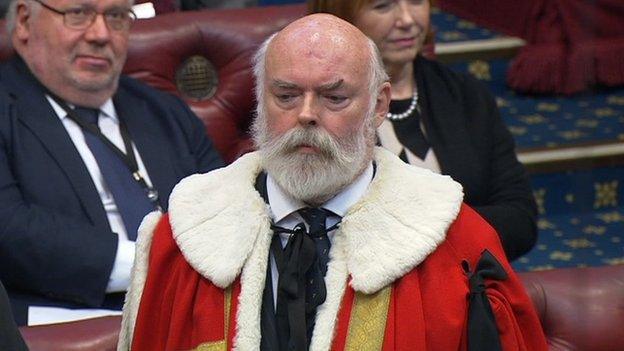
[(35, 113), (147, 137), (446, 132)]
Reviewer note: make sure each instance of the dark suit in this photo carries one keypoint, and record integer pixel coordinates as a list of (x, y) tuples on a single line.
[(10, 337), (474, 147), (56, 245)]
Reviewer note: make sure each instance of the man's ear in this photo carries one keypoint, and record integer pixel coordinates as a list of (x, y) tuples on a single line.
[(382, 103), (23, 13)]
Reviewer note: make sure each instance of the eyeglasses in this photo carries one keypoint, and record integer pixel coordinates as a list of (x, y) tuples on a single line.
[(118, 19)]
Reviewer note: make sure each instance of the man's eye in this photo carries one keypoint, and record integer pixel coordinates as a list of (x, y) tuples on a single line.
[(77, 12), (285, 97), (336, 99), (116, 15)]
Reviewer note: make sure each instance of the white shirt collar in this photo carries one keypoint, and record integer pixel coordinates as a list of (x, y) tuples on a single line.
[(107, 109), (282, 204)]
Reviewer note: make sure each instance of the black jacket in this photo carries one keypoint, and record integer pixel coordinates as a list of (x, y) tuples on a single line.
[(10, 337), (473, 146)]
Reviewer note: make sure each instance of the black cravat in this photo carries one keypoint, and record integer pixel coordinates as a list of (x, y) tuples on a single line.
[(302, 266), (131, 199), (293, 263)]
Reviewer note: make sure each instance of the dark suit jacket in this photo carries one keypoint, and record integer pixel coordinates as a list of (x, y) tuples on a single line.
[(10, 337), (473, 146), (56, 245)]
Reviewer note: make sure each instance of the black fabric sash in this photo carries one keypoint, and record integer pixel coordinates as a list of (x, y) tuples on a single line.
[(482, 331)]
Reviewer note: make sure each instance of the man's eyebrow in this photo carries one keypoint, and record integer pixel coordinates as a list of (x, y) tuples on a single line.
[(283, 84), (325, 87), (331, 86)]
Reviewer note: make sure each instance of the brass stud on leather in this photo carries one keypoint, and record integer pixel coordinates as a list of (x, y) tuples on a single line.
[(197, 78)]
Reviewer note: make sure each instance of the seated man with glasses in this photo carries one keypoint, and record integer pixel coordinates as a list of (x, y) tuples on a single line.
[(85, 153)]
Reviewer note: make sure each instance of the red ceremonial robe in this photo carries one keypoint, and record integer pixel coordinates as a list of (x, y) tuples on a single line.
[(425, 308)]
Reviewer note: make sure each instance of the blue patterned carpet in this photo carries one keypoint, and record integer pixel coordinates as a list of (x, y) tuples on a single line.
[(581, 220), (581, 214), (450, 28), (577, 240), (552, 121)]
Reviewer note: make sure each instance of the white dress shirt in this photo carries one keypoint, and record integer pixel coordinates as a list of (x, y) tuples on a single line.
[(284, 211)]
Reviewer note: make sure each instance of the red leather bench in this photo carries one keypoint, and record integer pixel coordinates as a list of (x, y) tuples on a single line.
[(204, 57)]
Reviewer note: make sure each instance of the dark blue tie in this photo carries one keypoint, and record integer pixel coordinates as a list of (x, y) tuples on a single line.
[(130, 197)]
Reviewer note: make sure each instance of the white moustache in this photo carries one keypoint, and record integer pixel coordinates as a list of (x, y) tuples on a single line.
[(313, 136)]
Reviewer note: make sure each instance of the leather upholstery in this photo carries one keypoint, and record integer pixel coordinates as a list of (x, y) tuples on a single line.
[(228, 39), (581, 309), (95, 334)]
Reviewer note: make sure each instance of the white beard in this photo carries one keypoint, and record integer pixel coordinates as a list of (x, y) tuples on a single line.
[(313, 178)]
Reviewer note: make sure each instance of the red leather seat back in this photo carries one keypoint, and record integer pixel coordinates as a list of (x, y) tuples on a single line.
[(160, 47), (96, 334), (581, 309)]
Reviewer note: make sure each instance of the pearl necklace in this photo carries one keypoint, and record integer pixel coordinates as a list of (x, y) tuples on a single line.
[(408, 112)]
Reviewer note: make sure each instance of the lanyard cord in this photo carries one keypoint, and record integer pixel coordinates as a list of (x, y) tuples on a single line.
[(128, 158)]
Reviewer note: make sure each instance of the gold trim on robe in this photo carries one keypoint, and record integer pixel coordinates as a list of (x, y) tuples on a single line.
[(367, 325)]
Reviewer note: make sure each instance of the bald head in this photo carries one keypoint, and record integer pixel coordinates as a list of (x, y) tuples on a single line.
[(321, 36)]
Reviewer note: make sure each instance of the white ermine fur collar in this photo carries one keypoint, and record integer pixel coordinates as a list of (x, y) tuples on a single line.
[(403, 217)]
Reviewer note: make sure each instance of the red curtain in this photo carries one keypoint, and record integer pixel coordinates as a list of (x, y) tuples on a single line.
[(572, 45)]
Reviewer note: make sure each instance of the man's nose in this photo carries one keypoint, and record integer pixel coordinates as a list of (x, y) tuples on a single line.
[(308, 116), (98, 31)]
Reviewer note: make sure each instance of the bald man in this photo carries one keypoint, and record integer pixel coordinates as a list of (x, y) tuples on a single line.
[(320, 240)]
